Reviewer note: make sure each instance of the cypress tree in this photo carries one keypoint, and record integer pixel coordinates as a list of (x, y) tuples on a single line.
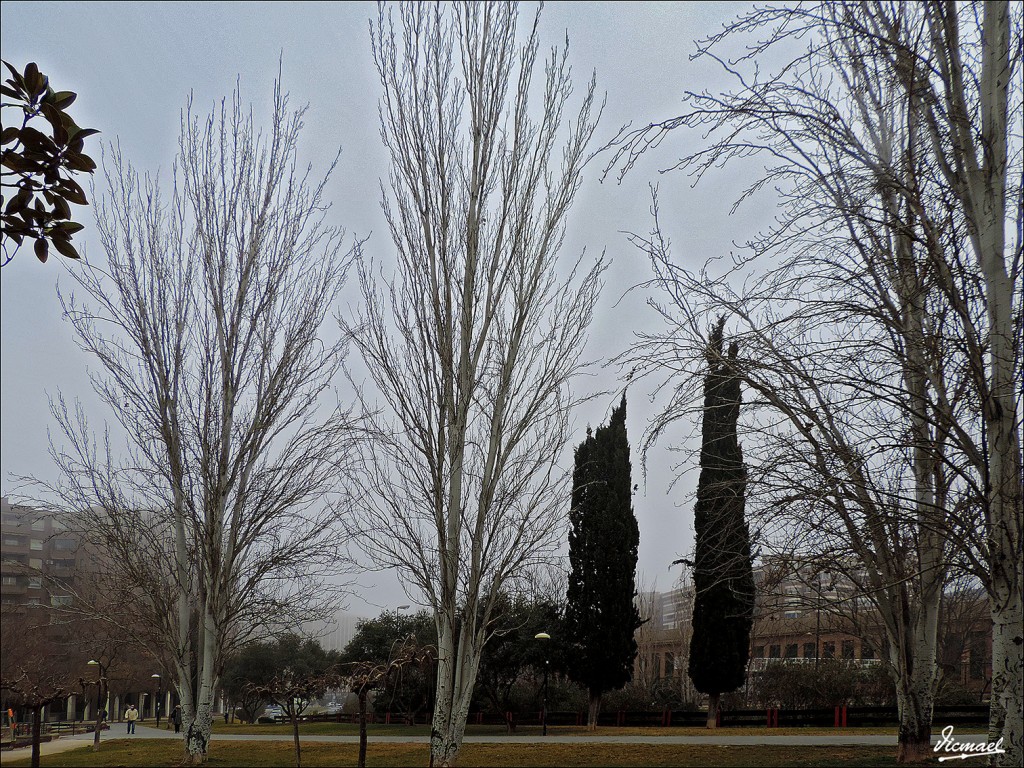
[(601, 616), (723, 575)]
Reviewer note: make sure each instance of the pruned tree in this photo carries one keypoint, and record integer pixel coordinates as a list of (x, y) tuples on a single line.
[(302, 671), (475, 342), (723, 581), (601, 615), (375, 641), (38, 168), (374, 674), (205, 323), (880, 256)]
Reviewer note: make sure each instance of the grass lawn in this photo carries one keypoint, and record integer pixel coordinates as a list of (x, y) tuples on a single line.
[(152, 752), (349, 729)]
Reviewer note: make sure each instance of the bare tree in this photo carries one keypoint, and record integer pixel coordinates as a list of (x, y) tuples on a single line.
[(476, 341), (878, 127), (873, 321), (205, 324)]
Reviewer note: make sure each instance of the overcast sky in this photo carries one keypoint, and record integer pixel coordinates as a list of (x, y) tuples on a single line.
[(134, 65)]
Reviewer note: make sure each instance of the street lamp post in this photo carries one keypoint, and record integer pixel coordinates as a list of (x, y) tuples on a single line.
[(101, 679), (544, 707), (156, 705)]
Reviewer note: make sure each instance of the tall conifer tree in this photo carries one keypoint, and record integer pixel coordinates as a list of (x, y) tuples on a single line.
[(601, 616), (723, 575)]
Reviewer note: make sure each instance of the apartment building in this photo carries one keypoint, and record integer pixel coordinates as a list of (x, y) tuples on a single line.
[(802, 615)]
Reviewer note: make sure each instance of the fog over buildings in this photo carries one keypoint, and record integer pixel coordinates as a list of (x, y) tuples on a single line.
[(134, 66)]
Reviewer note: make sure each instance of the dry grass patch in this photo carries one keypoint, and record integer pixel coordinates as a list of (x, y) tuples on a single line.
[(227, 754)]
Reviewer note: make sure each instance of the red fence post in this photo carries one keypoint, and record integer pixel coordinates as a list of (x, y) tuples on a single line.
[(844, 715)]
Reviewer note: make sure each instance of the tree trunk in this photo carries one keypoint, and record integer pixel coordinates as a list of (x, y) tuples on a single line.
[(100, 708), (713, 701), (445, 743), (362, 728), (1006, 720), (593, 711), (298, 751), (37, 734), (197, 735), (914, 740)]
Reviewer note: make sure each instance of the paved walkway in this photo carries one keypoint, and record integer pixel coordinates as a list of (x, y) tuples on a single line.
[(117, 731)]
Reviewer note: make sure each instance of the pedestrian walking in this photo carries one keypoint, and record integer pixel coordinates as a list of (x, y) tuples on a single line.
[(176, 718), (131, 716)]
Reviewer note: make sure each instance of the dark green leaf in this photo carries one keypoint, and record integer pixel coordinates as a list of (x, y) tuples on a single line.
[(81, 163), (10, 92), (82, 133), (9, 135), (19, 81), (42, 249), (64, 99), (66, 248), (33, 79), (69, 227), (76, 195)]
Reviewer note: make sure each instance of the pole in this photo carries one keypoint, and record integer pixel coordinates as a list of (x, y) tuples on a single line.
[(817, 626), (544, 709), (101, 677), (544, 712)]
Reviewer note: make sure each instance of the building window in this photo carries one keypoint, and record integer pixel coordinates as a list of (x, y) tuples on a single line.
[(60, 601), (35, 582), (37, 545), (791, 649), (774, 651), (14, 541), (828, 650), (10, 581), (976, 665), (809, 651), (758, 651), (866, 651), (65, 545), (35, 563), (38, 525), (848, 649)]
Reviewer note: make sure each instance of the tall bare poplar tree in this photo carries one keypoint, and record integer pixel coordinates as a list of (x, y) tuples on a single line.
[(475, 342), (205, 324)]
